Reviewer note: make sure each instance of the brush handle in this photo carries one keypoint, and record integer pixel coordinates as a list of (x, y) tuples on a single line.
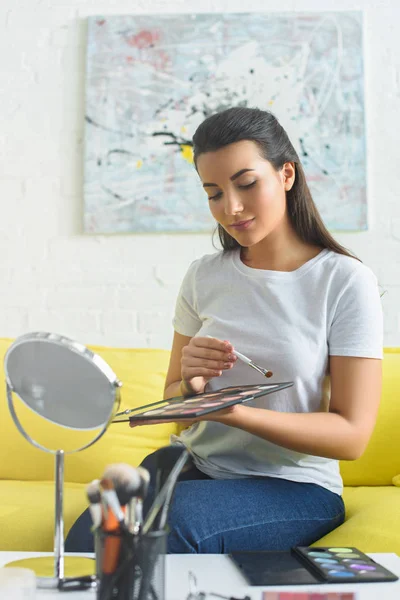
[(111, 499), (163, 497), (134, 515), (96, 514), (243, 358)]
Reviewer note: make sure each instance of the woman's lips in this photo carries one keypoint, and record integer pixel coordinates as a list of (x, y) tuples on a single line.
[(240, 225)]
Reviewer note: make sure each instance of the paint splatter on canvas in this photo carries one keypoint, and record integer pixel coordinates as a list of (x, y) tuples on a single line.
[(152, 79)]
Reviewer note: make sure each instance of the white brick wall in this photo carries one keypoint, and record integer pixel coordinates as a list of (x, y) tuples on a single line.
[(120, 290)]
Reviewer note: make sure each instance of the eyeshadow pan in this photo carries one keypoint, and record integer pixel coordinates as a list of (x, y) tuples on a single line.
[(328, 561), (192, 400), (358, 567), (353, 560)]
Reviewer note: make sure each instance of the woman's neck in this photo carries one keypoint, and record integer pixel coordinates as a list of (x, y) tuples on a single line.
[(279, 255)]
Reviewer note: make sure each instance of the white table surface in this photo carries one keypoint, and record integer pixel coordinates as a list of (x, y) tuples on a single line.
[(216, 573)]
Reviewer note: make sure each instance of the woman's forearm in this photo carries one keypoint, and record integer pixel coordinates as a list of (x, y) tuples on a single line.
[(321, 434)]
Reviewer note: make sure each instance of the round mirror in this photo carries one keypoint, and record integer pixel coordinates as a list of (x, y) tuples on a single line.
[(62, 381)]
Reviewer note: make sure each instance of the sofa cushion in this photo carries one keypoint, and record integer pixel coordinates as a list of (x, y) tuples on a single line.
[(372, 520), (27, 513), (381, 460), (27, 516), (142, 372)]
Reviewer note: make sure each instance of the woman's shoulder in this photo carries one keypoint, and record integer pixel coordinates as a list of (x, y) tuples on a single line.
[(209, 264), (346, 268), (347, 277)]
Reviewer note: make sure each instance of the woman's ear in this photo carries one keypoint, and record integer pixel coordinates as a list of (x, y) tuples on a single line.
[(289, 175)]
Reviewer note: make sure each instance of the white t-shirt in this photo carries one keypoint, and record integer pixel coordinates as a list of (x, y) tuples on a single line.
[(290, 323)]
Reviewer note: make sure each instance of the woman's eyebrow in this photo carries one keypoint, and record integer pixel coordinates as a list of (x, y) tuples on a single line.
[(235, 176)]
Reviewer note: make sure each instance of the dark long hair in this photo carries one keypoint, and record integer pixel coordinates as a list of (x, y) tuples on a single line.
[(262, 127)]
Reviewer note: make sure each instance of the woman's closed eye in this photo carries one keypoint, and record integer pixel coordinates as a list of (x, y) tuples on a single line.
[(247, 186), (216, 196)]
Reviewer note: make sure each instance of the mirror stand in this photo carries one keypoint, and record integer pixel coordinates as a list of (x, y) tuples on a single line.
[(52, 570), (59, 516)]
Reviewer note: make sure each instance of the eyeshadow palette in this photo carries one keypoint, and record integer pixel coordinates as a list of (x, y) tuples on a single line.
[(188, 407), (342, 565), (310, 565)]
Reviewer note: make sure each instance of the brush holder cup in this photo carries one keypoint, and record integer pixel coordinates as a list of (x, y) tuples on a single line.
[(130, 567)]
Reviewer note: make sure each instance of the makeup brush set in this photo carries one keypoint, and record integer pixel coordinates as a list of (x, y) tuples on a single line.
[(129, 548)]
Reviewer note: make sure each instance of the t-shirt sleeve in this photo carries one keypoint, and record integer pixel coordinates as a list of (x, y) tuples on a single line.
[(186, 320), (357, 324)]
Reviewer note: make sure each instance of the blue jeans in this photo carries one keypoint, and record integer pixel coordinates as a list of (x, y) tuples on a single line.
[(218, 516)]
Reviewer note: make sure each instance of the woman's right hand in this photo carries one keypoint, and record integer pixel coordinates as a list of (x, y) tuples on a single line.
[(202, 359)]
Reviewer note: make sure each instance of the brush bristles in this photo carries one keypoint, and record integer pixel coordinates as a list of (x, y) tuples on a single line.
[(123, 475), (93, 492), (128, 481), (107, 483)]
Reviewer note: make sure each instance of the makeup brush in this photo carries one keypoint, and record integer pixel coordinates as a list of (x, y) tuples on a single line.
[(110, 498), (127, 481), (166, 460), (94, 496), (135, 511), (248, 361), (131, 486), (154, 520), (113, 518)]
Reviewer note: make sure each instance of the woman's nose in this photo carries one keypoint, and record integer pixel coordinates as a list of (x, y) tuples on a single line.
[(233, 204)]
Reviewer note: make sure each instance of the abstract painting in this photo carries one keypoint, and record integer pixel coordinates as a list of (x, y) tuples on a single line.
[(151, 79)]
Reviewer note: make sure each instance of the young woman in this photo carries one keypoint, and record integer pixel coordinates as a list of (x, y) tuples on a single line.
[(286, 294)]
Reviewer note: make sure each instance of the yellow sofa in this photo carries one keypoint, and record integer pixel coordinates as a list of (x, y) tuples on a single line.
[(26, 474)]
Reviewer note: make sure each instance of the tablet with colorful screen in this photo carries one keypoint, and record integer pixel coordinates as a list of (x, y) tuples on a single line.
[(188, 407)]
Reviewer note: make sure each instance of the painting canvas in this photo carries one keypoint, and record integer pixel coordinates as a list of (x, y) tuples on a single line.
[(151, 79)]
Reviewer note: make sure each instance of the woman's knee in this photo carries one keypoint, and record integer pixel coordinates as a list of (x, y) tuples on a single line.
[(189, 522), (80, 536)]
